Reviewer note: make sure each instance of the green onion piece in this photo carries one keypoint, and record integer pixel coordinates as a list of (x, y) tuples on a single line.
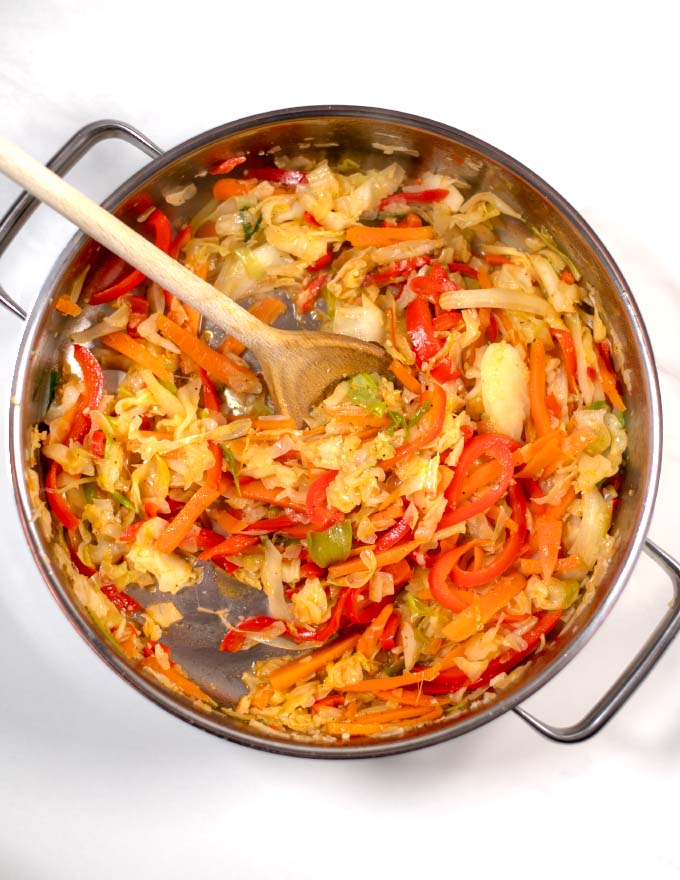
[(397, 419), (249, 228), (364, 391), (420, 412), (233, 465), (121, 499), (90, 492), (330, 546), (598, 404)]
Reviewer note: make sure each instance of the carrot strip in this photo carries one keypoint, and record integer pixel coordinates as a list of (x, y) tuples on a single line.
[(548, 536), (256, 491), (414, 698), (385, 557), (138, 353), (564, 565), (609, 384), (539, 410), (361, 728), (216, 365), (406, 377), (472, 619), (268, 309), (291, 673), (228, 522), (178, 528), (378, 236), (229, 187), (188, 688), (278, 423), (66, 306), (368, 643), (389, 715)]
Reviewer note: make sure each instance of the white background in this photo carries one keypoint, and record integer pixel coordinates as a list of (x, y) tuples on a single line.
[(96, 782)]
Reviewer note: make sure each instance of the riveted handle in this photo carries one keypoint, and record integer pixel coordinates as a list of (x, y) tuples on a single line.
[(632, 676), (62, 161)]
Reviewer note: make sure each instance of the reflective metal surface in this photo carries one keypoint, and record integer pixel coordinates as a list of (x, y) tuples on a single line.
[(373, 137)]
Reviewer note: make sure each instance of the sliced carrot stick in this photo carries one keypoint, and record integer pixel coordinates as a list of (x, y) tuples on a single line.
[(228, 522), (406, 377), (188, 687), (388, 683), (368, 643), (389, 715), (66, 306), (274, 423), (539, 409), (268, 309), (228, 187), (609, 384), (548, 537), (256, 491), (385, 557), (414, 698), (367, 728), (291, 673), (563, 565), (138, 353), (472, 619), (216, 365), (378, 236), (178, 528)]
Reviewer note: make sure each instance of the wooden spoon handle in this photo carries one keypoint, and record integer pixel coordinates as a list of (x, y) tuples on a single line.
[(109, 231)]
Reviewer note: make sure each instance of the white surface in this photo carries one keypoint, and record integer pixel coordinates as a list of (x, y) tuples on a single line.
[(98, 783)]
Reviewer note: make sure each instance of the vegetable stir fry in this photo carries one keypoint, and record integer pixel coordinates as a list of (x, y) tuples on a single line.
[(428, 528)]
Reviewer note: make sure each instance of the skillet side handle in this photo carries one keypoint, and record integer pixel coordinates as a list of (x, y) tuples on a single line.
[(62, 161), (632, 676)]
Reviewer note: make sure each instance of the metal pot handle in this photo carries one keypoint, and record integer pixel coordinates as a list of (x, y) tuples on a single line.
[(62, 161), (632, 676)]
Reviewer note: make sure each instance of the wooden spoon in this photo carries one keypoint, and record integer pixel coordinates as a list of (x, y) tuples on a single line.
[(298, 366)]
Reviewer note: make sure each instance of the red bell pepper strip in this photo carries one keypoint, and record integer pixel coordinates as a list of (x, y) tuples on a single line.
[(497, 446), (509, 553), (432, 285), (234, 639), (310, 218), (333, 700), (271, 524), (201, 539), (130, 532), (447, 321), (81, 568), (451, 680), (445, 371), (311, 570), (329, 628), (393, 536), (163, 238), (284, 176), (566, 343), (440, 571), (98, 443), (121, 600), (228, 165), (323, 261), (91, 396), (231, 546), (399, 269), (401, 573), (310, 293), (429, 427), (419, 196), (492, 329), (463, 269), (211, 400), (320, 515), (58, 504), (420, 330), (389, 633)]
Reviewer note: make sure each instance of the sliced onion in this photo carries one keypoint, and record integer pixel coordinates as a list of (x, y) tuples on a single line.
[(497, 298)]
